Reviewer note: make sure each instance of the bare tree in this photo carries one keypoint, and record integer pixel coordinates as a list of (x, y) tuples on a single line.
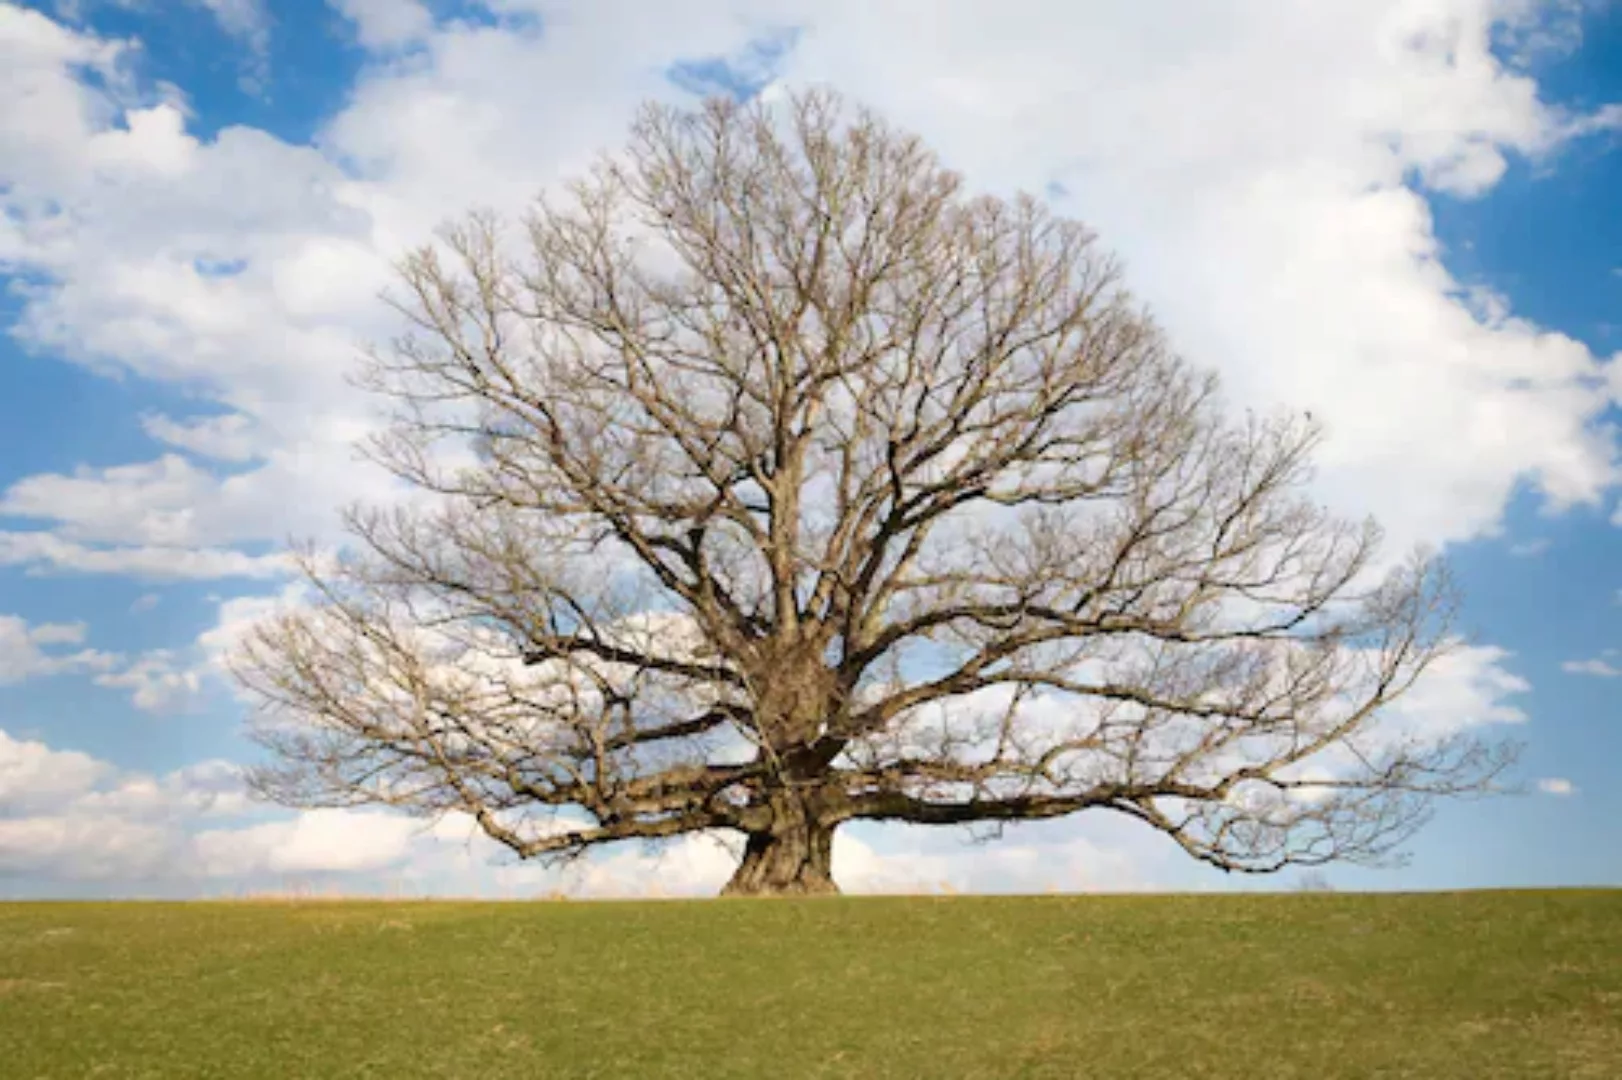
[(773, 482)]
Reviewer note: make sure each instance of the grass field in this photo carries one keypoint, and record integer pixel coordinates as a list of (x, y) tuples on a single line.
[(1444, 985)]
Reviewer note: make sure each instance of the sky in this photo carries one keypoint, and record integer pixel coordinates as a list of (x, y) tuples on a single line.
[(1399, 214)]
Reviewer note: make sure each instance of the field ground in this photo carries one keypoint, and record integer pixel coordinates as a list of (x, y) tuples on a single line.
[(1468, 985)]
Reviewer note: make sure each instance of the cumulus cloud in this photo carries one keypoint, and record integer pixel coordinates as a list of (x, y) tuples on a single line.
[(245, 19), (1094, 853), (34, 775), (28, 652), (235, 617), (224, 438), (319, 841), (249, 23), (1601, 668), (217, 266), (171, 502), (149, 502), (386, 24), (155, 683), (46, 552), (65, 815), (58, 633), (158, 681), (1469, 687)]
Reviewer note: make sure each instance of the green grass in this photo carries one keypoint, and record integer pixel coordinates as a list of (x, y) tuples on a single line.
[(1445, 985)]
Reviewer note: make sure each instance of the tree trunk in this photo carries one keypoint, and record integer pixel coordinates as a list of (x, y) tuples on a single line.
[(796, 860)]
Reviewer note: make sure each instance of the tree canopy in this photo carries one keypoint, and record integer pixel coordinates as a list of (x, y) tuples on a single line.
[(766, 480)]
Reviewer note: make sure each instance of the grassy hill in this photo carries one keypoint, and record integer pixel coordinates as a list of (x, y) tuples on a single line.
[(1469, 985)]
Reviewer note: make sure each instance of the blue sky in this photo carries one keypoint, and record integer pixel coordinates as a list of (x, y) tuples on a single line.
[(1402, 216)]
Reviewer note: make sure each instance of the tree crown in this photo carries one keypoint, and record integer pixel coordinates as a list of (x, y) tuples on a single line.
[(793, 485)]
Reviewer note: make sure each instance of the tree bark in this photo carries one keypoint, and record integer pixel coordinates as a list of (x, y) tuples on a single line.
[(796, 860)]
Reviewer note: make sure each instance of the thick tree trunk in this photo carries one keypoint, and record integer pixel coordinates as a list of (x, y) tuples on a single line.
[(790, 861)]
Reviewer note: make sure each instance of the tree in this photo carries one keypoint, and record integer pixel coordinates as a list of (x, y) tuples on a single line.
[(768, 481)]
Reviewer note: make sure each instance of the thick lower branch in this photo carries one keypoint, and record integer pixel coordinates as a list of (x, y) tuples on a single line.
[(894, 806)]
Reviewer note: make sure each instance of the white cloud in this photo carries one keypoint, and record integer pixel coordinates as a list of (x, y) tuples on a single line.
[(170, 502), (224, 438), (42, 551), (155, 683), (28, 652), (32, 774), (75, 848), (58, 633), (318, 841), (1556, 785), (1467, 688), (149, 503), (1093, 853), (236, 616), (1538, 31), (249, 23), (67, 816), (1601, 668), (144, 263), (204, 789), (158, 680), (1529, 549), (386, 24), (245, 19)]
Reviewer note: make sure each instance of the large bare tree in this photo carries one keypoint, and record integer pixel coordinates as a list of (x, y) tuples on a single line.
[(772, 481)]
